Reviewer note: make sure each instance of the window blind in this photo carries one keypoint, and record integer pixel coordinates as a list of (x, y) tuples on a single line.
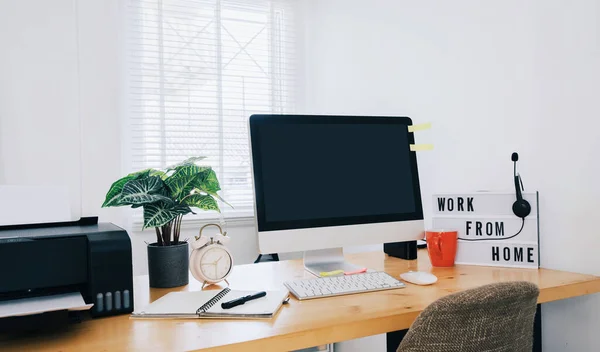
[(197, 69)]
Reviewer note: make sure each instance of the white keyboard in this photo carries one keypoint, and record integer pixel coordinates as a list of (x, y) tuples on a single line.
[(342, 285)]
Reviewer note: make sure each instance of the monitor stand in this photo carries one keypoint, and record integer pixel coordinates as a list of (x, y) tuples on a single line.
[(326, 260)]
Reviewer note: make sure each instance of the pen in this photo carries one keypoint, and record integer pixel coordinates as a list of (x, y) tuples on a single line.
[(242, 300)]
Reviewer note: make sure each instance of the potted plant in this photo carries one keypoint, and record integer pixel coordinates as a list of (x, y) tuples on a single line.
[(166, 196)]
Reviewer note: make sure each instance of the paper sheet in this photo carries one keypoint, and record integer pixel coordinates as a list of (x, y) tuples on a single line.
[(15, 200), (27, 306), (421, 127), (420, 147)]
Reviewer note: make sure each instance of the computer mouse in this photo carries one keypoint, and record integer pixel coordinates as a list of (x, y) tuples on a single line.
[(419, 278)]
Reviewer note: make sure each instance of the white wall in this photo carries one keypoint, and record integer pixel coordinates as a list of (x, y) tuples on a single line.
[(59, 107), (99, 41), (39, 125), (566, 165), (493, 78)]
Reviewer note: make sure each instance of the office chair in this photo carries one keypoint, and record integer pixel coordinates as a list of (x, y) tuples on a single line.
[(497, 317)]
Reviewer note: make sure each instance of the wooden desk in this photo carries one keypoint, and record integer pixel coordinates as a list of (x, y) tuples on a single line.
[(299, 324)]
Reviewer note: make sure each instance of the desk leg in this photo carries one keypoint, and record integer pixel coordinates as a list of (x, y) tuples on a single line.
[(393, 338)]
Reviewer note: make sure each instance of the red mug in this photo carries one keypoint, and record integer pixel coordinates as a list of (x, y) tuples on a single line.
[(441, 246)]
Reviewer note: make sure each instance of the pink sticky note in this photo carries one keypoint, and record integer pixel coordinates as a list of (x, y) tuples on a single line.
[(363, 270)]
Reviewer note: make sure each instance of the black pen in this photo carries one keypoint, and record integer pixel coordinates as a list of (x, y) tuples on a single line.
[(242, 300)]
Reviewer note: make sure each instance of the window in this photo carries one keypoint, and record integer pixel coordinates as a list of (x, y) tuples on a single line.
[(197, 69)]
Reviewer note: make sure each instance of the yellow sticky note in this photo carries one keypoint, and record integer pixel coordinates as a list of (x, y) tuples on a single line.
[(420, 127), (420, 147), (331, 273)]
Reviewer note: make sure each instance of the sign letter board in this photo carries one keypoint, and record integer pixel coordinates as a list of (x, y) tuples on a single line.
[(488, 232)]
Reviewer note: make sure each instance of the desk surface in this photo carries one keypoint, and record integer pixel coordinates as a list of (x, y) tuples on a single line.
[(299, 324)]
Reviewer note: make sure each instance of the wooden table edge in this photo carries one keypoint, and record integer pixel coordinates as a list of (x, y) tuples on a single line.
[(324, 335), (578, 289), (382, 325)]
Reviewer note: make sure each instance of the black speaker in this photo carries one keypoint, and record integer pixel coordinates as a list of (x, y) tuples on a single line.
[(403, 250), (274, 257)]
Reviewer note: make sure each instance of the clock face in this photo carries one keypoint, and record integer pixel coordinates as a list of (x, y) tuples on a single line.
[(215, 264)]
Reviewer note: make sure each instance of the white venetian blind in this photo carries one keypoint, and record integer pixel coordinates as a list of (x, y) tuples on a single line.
[(197, 69)]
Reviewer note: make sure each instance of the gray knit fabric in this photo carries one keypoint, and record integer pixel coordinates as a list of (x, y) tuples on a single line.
[(497, 317)]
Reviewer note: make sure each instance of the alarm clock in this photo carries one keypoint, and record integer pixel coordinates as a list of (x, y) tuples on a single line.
[(211, 261)]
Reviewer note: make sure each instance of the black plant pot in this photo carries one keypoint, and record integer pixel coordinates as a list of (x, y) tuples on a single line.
[(168, 265)]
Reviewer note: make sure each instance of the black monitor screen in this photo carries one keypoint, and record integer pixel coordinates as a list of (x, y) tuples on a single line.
[(313, 171)]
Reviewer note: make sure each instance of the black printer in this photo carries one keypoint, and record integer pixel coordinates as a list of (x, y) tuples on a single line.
[(82, 256)]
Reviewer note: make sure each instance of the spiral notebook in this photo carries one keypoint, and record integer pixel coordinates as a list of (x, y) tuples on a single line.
[(207, 304)]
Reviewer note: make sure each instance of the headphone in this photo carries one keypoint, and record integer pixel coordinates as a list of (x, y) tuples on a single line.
[(520, 207)]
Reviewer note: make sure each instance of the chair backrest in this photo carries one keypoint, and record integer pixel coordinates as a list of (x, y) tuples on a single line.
[(496, 317)]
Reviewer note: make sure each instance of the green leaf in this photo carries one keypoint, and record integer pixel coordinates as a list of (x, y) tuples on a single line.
[(158, 214), (185, 179), (209, 182), (215, 194), (148, 172), (159, 173), (188, 161), (113, 197), (140, 174), (202, 201), (162, 212), (182, 209), (143, 191), (114, 194)]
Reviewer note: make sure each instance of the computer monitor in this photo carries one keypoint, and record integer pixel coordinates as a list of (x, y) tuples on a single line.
[(325, 182)]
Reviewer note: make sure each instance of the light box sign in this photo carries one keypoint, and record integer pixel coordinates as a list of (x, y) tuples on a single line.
[(488, 231)]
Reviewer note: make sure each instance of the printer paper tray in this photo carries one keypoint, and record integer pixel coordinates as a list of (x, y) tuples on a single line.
[(36, 305)]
